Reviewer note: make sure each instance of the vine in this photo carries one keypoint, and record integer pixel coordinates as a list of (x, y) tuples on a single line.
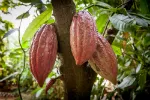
[(24, 55)]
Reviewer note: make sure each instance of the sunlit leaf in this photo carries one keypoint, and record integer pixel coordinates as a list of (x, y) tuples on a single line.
[(39, 92), (25, 44), (24, 15), (35, 24), (51, 20), (101, 21), (10, 32), (127, 81), (138, 68), (117, 50)]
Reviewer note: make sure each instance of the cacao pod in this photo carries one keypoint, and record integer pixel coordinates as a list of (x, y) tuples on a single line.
[(103, 60), (49, 84), (82, 37), (43, 53)]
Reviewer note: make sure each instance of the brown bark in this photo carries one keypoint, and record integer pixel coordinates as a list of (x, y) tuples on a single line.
[(78, 80)]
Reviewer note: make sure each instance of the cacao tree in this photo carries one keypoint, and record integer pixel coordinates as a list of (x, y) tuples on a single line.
[(123, 23), (73, 32)]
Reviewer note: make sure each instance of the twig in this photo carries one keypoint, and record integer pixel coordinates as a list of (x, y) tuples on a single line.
[(106, 27), (24, 56), (11, 75), (95, 5)]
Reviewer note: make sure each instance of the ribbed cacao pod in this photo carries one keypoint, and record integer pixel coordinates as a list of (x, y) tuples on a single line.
[(104, 61), (43, 53), (82, 37)]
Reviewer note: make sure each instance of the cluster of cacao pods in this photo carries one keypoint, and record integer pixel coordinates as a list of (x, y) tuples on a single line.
[(88, 45)]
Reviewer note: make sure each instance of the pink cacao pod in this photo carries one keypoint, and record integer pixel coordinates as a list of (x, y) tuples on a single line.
[(82, 37), (43, 53), (104, 61)]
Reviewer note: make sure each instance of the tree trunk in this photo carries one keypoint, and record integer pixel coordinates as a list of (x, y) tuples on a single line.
[(78, 80)]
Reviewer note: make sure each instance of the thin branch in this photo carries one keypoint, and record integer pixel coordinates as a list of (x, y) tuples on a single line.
[(106, 27), (24, 56), (95, 5)]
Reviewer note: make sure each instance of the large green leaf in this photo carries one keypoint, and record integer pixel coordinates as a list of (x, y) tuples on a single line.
[(123, 23), (36, 23), (101, 21)]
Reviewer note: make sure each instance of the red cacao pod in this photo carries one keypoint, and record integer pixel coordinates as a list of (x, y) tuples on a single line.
[(49, 84), (43, 53), (82, 37), (104, 61)]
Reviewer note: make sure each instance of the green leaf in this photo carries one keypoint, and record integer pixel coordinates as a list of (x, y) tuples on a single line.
[(127, 81), (28, 1), (146, 40), (103, 4), (25, 44), (24, 15), (140, 21), (144, 6), (51, 20), (117, 50), (122, 11), (101, 21), (138, 68), (142, 78), (123, 23), (10, 32), (39, 92), (35, 24)]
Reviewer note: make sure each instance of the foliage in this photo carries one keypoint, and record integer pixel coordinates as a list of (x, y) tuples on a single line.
[(131, 45)]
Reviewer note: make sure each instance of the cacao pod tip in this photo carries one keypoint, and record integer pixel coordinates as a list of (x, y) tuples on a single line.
[(114, 81), (78, 62), (41, 84)]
